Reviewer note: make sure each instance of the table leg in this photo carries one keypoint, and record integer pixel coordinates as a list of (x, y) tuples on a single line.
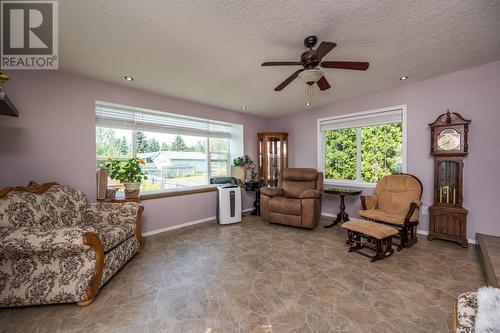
[(341, 216), (256, 204)]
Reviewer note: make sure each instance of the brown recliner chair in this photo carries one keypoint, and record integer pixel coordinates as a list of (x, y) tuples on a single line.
[(297, 202), (396, 202)]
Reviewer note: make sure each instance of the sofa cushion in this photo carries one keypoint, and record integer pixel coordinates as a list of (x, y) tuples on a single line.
[(58, 206), (284, 205), (114, 234), (381, 215), (466, 311)]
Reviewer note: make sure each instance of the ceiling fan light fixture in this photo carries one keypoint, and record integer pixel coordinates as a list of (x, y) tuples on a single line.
[(311, 76)]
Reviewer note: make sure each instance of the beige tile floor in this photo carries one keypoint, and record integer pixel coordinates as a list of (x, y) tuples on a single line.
[(257, 277)]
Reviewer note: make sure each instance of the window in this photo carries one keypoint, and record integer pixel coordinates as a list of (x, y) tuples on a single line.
[(178, 151), (359, 149)]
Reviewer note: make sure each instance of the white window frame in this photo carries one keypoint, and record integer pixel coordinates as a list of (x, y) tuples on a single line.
[(233, 149), (371, 113)]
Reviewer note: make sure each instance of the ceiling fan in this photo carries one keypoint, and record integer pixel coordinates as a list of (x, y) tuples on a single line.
[(311, 60)]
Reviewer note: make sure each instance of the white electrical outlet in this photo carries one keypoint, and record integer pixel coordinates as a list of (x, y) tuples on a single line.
[(424, 210)]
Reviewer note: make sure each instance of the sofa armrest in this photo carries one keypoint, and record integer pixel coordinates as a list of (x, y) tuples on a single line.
[(116, 213), (369, 201), (311, 194), (112, 213), (30, 240), (272, 191)]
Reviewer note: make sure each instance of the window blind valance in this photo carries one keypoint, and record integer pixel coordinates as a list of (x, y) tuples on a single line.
[(362, 120), (150, 121)]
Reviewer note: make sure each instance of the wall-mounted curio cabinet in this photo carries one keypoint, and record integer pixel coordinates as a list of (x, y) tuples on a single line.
[(449, 146), (272, 156)]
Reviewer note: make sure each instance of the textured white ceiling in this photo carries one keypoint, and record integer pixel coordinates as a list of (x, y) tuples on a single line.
[(211, 51)]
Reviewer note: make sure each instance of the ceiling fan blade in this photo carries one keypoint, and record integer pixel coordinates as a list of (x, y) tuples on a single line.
[(287, 81), (322, 50), (323, 84), (281, 63), (356, 65)]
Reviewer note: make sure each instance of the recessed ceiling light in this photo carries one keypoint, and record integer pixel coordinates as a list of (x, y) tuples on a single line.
[(129, 78), (404, 77), (243, 107), (308, 104)]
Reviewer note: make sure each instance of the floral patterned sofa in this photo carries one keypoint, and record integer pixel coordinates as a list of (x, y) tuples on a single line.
[(56, 247)]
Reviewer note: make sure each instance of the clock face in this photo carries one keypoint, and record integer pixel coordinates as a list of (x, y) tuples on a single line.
[(448, 139)]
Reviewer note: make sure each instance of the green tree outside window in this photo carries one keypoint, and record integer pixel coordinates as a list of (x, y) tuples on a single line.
[(381, 152), (340, 154)]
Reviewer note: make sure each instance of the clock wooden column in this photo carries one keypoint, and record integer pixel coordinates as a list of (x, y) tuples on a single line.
[(449, 146)]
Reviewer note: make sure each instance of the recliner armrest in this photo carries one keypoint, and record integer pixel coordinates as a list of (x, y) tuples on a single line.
[(272, 191), (311, 194), (369, 201)]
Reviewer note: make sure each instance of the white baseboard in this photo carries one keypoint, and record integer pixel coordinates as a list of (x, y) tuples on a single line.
[(178, 226), (419, 231), (187, 224)]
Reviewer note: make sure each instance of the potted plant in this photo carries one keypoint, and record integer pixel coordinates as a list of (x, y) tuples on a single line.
[(238, 170), (246, 164), (129, 174)]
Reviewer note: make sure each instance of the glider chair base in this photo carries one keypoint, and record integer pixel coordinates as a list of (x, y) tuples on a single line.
[(407, 234)]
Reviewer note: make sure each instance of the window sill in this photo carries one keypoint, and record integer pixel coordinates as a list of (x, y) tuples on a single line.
[(350, 183), (172, 193), (178, 192)]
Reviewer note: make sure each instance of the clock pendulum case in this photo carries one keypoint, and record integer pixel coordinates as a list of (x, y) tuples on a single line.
[(449, 146)]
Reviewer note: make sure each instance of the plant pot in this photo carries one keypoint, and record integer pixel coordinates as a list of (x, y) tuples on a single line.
[(110, 193), (132, 190), (239, 173)]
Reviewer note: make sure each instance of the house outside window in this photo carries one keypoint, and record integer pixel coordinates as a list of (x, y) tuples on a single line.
[(178, 151), (360, 148)]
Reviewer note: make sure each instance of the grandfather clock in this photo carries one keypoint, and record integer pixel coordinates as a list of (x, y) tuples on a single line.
[(449, 146)]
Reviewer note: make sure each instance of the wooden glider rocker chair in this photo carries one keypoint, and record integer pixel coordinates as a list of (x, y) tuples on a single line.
[(396, 202), (297, 201), (56, 247)]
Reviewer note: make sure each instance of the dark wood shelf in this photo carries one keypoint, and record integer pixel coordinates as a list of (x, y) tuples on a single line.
[(6, 106)]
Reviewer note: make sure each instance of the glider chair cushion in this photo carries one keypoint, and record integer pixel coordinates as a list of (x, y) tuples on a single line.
[(396, 202), (56, 247), (297, 202)]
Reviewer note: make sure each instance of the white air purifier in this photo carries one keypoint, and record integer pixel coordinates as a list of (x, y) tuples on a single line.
[(228, 204)]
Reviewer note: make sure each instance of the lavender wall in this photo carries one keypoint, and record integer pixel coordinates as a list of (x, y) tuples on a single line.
[(474, 93), (54, 137)]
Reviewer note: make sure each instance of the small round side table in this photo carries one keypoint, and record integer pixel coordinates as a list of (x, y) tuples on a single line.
[(342, 192)]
